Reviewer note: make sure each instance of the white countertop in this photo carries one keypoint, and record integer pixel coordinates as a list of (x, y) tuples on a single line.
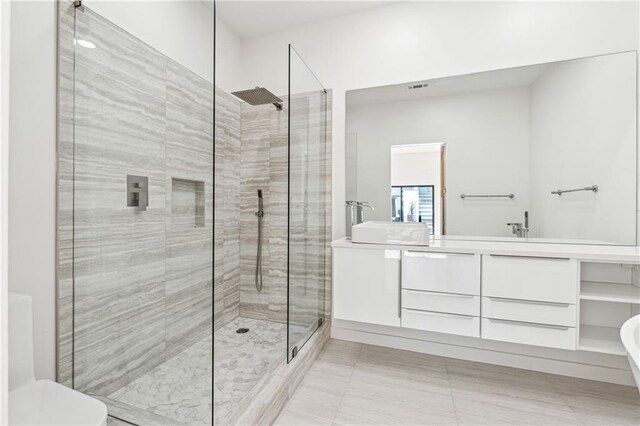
[(585, 252)]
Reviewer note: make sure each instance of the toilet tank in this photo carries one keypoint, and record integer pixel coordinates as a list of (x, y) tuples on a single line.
[(20, 340)]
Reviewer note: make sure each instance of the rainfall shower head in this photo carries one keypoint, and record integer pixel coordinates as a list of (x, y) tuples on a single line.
[(259, 96)]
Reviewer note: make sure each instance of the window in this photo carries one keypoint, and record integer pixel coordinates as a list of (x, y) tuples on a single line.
[(413, 204)]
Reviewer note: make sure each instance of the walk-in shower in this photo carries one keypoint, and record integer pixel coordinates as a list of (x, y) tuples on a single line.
[(162, 256), (284, 159)]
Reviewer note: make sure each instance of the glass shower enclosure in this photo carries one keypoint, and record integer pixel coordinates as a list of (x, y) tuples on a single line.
[(308, 189), (163, 319), (142, 227)]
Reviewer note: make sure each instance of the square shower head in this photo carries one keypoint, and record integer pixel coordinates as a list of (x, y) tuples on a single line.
[(258, 96)]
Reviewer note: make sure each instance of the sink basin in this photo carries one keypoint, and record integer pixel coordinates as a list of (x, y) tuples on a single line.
[(375, 232)]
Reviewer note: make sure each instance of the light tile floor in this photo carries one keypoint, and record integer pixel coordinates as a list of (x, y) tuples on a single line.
[(354, 384)]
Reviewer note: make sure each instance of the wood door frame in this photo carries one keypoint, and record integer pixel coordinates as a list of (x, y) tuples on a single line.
[(443, 191)]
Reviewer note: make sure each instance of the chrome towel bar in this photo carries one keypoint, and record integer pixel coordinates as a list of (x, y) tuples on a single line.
[(593, 188), (463, 196)]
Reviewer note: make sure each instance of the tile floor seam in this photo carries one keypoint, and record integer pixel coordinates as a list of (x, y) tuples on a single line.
[(564, 401), (453, 399), (344, 392)]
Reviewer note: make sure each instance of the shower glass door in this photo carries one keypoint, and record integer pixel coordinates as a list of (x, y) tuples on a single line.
[(308, 189), (142, 228)]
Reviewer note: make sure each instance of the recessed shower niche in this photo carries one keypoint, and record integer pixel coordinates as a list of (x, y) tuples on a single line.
[(187, 203)]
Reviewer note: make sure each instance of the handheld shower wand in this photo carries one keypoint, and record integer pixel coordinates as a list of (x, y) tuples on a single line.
[(260, 215)]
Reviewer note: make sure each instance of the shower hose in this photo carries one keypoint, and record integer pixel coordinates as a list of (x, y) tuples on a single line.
[(259, 253)]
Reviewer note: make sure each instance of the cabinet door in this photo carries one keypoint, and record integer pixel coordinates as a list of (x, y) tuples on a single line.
[(464, 325), (442, 272), (529, 311), (551, 336), (530, 278), (463, 304), (366, 285)]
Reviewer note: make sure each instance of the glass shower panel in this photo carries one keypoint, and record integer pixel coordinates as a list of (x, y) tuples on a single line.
[(307, 203), (143, 228)]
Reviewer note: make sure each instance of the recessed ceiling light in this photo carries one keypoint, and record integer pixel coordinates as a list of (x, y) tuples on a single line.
[(87, 44)]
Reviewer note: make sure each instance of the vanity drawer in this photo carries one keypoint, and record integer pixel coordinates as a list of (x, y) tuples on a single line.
[(442, 272), (552, 336), (463, 325), (530, 278), (464, 304), (529, 311)]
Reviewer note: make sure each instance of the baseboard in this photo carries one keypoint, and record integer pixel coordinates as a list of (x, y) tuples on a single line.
[(584, 366)]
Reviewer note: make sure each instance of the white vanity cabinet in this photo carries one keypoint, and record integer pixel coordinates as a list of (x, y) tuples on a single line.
[(515, 300), (530, 300), (367, 285), (441, 292)]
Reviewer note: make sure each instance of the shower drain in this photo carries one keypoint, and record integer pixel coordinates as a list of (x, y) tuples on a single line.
[(242, 330)]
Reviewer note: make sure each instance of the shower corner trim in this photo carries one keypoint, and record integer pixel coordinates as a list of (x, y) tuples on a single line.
[(64, 186)]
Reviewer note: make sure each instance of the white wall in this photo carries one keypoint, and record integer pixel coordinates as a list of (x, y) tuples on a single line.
[(415, 168), (32, 170), (583, 133), (5, 33), (182, 30), (491, 125), (228, 59), (409, 41)]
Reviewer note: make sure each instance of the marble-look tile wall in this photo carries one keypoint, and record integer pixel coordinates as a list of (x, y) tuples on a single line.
[(141, 281), (263, 150), (264, 165), (227, 207)]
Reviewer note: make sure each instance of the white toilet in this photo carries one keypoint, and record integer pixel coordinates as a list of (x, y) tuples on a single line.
[(41, 402)]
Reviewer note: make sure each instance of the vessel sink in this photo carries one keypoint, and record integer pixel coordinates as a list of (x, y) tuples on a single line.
[(377, 232)]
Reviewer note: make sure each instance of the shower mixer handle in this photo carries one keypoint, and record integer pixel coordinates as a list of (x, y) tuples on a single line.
[(138, 192)]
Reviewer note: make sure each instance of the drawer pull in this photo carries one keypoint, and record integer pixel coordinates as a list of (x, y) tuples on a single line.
[(446, 314), (434, 253), (529, 257), (440, 293), (532, 324), (529, 302)]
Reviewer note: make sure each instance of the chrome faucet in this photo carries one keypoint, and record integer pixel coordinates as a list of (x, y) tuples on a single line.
[(355, 214), (518, 230)]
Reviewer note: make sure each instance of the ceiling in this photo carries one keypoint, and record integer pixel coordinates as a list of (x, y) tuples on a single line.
[(247, 18), (447, 86)]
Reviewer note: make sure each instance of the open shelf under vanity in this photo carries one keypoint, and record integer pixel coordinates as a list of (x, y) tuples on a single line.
[(609, 295)]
